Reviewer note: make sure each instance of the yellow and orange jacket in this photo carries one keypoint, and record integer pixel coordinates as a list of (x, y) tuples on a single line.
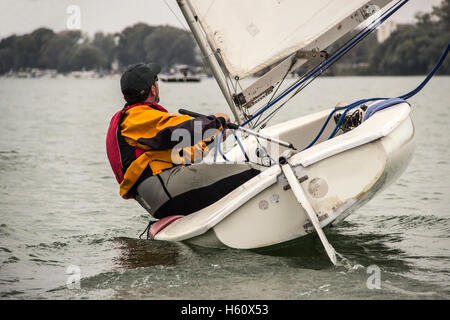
[(140, 137)]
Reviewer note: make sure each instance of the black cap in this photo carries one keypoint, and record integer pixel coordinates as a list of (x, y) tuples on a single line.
[(136, 81)]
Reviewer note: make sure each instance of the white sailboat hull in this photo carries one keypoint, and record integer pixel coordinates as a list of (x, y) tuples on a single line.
[(342, 175)]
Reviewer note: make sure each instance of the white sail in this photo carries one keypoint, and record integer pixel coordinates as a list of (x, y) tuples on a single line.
[(253, 34)]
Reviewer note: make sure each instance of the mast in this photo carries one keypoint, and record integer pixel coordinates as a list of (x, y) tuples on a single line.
[(209, 56)]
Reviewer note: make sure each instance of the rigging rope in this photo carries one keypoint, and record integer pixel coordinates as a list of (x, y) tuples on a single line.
[(358, 103), (278, 87), (176, 16), (331, 60)]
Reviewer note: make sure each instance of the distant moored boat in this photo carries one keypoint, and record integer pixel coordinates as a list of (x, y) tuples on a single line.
[(180, 73)]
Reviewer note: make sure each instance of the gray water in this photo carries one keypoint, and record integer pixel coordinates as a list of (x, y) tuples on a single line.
[(59, 206)]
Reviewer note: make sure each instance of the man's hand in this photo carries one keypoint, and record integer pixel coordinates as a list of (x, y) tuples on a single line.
[(223, 115), (227, 120)]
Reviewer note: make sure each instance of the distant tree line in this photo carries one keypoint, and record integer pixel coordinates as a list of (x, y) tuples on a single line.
[(71, 50), (410, 50)]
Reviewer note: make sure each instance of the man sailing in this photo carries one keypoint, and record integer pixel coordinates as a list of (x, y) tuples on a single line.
[(151, 160)]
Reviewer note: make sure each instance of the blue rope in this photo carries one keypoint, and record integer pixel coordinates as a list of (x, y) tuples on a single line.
[(218, 145), (348, 107), (218, 148), (358, 103), (404, 97), (430, 75), (240, 145)]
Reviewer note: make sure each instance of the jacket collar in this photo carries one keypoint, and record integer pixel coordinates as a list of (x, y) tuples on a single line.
[(150, 104)]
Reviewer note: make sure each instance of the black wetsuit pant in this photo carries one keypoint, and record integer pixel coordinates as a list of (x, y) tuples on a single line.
[(184, 190)]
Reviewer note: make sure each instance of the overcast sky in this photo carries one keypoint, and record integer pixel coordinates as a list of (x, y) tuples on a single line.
[(24, 16)]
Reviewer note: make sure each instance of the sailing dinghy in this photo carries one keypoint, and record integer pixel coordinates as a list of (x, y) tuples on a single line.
[(314, 170)]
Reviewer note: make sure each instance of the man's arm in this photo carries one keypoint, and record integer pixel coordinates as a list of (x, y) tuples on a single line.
[(164, 138)]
